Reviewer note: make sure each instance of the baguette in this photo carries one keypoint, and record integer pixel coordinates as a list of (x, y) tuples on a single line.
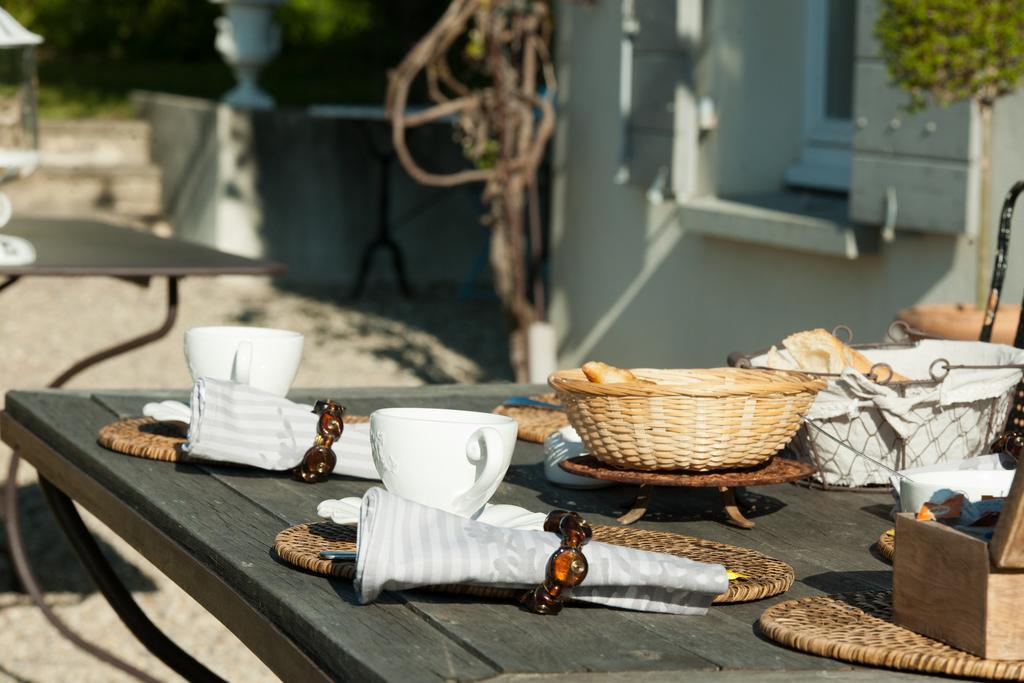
[(602, 373), (818, 351)]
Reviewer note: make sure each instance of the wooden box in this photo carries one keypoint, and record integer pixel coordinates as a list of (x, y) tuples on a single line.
[(960, 590)]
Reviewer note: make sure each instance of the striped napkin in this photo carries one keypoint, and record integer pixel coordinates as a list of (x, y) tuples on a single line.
[(240, 424), (403, 544)]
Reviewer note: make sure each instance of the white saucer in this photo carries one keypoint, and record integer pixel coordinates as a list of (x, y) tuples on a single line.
[(168, 411)]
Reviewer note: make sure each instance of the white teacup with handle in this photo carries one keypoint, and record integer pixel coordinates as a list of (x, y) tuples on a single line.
[(261, 357), (453, 460)]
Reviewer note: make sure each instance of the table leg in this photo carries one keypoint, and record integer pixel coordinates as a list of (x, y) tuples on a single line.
[(115, 592), (20, 562), (640, 505), (732, 508), (131, 344), (16, 544)]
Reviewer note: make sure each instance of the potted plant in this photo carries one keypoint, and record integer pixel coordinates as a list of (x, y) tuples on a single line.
[(945, 51)]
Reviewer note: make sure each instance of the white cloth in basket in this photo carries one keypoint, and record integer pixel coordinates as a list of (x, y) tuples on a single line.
[(240, 424), (403, 544), (911, 425)]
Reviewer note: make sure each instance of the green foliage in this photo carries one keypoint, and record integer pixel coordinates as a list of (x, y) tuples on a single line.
[(183, 29), (944, 51), (117, 29), (319, 23), (97, 51)]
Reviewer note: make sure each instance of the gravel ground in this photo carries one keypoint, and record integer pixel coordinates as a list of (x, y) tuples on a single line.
[(46, 324)]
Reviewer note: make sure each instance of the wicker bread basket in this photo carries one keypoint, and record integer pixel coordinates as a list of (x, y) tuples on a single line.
[(699, 420)]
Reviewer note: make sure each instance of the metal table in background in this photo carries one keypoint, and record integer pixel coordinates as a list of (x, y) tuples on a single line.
[(90, 248), (211, 529), (377, 135)]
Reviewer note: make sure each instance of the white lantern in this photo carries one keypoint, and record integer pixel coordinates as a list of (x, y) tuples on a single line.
[(19, 123)]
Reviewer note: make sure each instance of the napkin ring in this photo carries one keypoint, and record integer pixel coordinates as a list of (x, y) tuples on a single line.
[(318, 462), (567, 566)]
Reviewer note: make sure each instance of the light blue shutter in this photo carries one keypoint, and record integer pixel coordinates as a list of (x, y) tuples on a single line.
[(920, 171), (658, 98)]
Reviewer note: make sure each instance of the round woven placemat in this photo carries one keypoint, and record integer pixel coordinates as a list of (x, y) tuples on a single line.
[(887, 544), (145, 437), (762, 576), (536, 423), (775, 471), (858, 628)]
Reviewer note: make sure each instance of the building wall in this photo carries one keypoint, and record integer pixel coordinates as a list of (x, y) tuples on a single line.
[(631, 284)]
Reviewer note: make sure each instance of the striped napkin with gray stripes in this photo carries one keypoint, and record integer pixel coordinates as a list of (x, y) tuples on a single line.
[(240, 424), (402, 544)]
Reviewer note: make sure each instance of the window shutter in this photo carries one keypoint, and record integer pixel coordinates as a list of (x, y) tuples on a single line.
[(657, 99), (916, 172)]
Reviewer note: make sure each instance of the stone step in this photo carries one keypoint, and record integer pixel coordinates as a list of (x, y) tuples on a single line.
[(126, 190), (94, 142)]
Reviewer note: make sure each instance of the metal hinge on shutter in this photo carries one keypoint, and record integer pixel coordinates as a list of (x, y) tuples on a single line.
[(657, 100)]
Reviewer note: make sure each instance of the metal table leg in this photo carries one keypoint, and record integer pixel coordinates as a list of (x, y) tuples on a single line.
[(19, 559), (117, 595), (115, 592), (131, 344)]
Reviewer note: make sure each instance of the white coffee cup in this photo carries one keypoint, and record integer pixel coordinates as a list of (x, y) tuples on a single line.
[(258, 356), (447, 459)]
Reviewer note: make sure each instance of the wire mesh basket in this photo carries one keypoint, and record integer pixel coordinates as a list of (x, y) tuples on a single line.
[(955, 406)]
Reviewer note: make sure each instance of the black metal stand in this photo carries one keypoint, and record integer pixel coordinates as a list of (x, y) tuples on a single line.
[(385, 158), (1015, 421), (383, 238)]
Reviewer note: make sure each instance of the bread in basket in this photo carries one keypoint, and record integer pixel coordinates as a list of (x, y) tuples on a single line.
[(699, 420)]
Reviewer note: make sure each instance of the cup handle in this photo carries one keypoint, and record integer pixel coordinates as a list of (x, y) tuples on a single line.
[(243, 363), (492, 450)]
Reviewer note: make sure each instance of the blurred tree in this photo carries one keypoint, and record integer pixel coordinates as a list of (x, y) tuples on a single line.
[(183, 30), (943, 51), (97, 51), (117, 29)]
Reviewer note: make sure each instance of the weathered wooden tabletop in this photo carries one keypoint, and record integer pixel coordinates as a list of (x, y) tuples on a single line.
[(211, 529)]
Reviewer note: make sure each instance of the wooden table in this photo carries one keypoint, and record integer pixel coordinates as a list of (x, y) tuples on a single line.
[(211, 530)]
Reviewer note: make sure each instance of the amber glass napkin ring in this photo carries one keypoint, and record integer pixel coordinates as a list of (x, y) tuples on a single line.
[(567, 566), (318, 462)]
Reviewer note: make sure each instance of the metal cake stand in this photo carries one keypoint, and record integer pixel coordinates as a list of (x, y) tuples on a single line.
[(775, 471)]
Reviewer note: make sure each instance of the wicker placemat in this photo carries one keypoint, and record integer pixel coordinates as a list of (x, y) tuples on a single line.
[(762, 576), (858, 628), (145, 437), (887, 544), (536, 423)]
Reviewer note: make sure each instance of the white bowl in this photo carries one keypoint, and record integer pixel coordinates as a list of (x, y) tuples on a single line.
[(972, 483)]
